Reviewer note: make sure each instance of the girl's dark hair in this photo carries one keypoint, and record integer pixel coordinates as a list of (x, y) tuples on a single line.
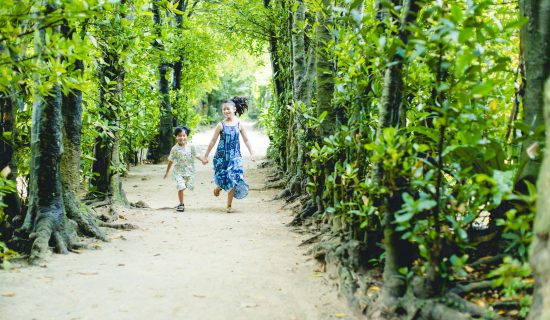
[(240, 103), (180, 129)]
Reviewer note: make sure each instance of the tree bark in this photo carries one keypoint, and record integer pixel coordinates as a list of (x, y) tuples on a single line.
[(274, 58), (539, 255), (71, 109), (178, 68), (166, 118), (299, 65), (46, 212), (325, 70), (295, 156), (535, 62), (540, 248), (394, 285), (107, 182)]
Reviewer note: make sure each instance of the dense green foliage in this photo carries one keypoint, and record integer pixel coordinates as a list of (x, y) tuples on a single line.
[(449, 165)]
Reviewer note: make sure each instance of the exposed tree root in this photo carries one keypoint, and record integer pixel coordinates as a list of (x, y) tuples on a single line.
[(451, 306), (63, 236), (264, 164), (139, 204), (86, 220), (274, 177), (96, 204), (283, 194), (310, 240), (276, 184), (309, 209), (120, 226)]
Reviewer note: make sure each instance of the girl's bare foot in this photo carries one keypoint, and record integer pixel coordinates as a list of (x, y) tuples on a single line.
[(217, 191)]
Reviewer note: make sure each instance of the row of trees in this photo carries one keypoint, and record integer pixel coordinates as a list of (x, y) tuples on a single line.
[(85, 87), (411, 132)]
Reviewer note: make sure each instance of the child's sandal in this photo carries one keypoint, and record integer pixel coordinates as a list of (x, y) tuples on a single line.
[(228, 209)]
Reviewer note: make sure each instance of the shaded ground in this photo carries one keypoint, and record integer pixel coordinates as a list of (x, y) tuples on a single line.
[(202, 264)]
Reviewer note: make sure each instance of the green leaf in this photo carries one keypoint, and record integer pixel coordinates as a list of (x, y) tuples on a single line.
[(517, 23)]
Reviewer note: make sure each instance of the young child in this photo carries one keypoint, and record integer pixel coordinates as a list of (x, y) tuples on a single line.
[(228, 166), (182, 156)]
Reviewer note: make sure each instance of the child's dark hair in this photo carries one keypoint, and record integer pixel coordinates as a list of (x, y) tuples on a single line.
[(240, 103), (180, 129)]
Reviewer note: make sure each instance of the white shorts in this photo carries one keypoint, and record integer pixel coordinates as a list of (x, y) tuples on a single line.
[(181, 182)]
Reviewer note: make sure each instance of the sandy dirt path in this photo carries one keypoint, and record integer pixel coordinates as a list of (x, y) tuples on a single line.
[(202, 264)]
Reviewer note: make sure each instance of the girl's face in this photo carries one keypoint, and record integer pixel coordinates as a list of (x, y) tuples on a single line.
[(181, 138), (228, 110)]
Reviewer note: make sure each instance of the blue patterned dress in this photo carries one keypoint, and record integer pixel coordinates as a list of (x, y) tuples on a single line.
[(228, 162)]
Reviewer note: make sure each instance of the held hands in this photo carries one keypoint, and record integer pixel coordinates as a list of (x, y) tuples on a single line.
[(203, 159)]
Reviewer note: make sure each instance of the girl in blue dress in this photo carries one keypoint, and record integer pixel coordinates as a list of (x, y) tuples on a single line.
[(228, 161)]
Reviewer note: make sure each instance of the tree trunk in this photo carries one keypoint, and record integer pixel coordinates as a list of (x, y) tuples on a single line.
[(46, 212), (166, 118), (540, 248), (325, 89), (534, 61), (325, 70), (539, 255), (394, 285), (107, 182), (299, 65), (70, 159), (178, 67), (276, 66), (294, 155), (280, 72)]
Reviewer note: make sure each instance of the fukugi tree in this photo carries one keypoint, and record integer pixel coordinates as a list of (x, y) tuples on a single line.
[(45, 219)]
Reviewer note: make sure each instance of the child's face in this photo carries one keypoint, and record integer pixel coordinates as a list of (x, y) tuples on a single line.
[(181, 138), (228, 110)]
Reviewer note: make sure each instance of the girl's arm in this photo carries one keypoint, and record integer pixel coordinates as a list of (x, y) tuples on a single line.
[(247, 142), (215, 137), (168, 168)]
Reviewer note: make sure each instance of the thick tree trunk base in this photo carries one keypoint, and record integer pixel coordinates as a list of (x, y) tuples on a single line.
[(309, 209), (450, 306), (85, 219), (63, 239)]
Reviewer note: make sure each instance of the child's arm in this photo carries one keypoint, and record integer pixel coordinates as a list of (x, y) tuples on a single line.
[(247, 143), (194, 154), (217, 131), (168, 168)]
